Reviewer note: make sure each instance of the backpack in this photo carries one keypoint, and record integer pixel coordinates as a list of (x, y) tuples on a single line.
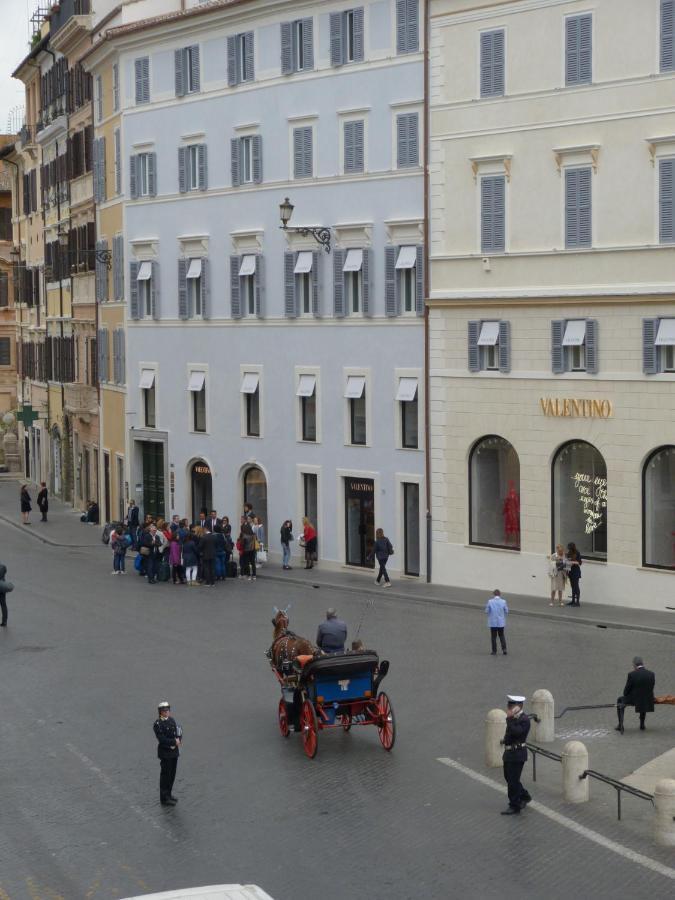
[(105, 536)]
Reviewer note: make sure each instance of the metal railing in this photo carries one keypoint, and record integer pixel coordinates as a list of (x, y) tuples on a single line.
[(595, 706), (549, 754)]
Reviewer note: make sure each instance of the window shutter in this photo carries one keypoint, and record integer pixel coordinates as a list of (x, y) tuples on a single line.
[(154, 291), (401, 26), (249, 59), (4, 289), (349, 137), (302, 152), (95, 181), (234, 163), (572, 207), (99, 361), (101, 169), (317, 285), (205, 282), (308, 42), (152, 174), (179, 70), (98, 281), (358, 47), (585, 211), (649, 352), (412, 15), (290, 309), (232, 73), (194, 59), (579, 49), (486, 65), (419, 280), (119, 256), (504, 347), (336, 57), (134, 311), (118, 162), (122, 356), (572, 50), (498, 63), (338, 284), (256, 151), (138, 76), (183, 311), (286, 48), (493, 214), (557, 351), (473, 351), (666, 218), (667, 34), (182, 170), (592, 346), (115, 267), (142, 77), (365, 281), (235, 295), (402, 141), (390, 286), (202, 167), (116, 356), (407, 140), (585, 49), (133, 189), (259, 286), (413, 140)]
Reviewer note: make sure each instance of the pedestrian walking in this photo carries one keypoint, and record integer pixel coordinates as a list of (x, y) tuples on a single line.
[(382, 550), (6, 587), (190, 559), (118, 542), (43, 501), (169, 736), (515, 754), (24, 499), (286, 538), (247, 552), (556, 574), (638, 692), (574, 573), (497, 611), (332, 634), (309, 539)]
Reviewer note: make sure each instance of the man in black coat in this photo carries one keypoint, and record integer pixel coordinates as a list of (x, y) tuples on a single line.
[(207, 547), (5, 588), (43, 501), (638, 692), (153, 542), (515, 754), (169, 735)]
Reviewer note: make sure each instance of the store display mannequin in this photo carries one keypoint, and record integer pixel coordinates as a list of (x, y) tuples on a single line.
[(511, 514)]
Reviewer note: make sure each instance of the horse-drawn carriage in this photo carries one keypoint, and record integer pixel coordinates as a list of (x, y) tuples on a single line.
[(340, 690)]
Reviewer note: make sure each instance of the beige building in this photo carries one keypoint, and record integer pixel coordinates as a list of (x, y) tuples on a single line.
[(552, 295), (7, 313)]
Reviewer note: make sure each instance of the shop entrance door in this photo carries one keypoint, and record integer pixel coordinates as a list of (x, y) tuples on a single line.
[(359, 521), (411, 527), (202, 488), (153, 479)]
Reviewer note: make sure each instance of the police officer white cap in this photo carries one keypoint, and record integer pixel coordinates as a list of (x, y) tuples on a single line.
[(514, 698), (164, 704)]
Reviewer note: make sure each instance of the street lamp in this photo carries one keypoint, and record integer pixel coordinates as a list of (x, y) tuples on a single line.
[(320, 233)]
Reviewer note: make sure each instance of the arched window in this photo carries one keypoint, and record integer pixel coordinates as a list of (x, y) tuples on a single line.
[(494, 494), (658, 509), (255, 492), (580, 499)]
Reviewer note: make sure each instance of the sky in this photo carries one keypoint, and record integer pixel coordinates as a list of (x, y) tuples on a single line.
[(14, 28)]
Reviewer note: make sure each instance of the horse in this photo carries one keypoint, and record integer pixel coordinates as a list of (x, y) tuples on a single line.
[(287, 646)]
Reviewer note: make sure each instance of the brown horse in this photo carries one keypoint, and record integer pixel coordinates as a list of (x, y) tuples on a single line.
[(287, 646)]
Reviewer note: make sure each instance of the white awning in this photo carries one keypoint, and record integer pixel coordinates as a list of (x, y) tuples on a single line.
[(147, 379), (247, 266), (144, 271), (355, 386), (195, 269), (304, 262), (249, 383), (353, 261), (575, 333), (665, 336), (197, 380), (306, 385), (489, 334), (407, 388), (407, 257)]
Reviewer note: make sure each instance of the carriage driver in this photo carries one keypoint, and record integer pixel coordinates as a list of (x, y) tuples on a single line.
[(332, 634)]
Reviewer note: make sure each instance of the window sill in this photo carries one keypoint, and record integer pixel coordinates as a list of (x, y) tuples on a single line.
[(192, 431), (306, 441), (494, 549), (658, 569), (253, 437)]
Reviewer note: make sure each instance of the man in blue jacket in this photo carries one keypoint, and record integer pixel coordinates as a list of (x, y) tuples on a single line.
[(497, 611)]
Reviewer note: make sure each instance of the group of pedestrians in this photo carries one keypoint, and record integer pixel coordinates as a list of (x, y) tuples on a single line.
[(563, 566)]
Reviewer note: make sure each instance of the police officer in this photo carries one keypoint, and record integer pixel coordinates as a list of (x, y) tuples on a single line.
[(332, 633), (515, 754), (169, 735)]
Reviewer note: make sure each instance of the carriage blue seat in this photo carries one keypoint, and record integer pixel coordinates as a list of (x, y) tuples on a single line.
[(339, 677)]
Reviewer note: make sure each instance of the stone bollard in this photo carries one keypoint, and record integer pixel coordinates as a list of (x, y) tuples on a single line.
[(574, 764), (664, 807), (495, 726), (543, 732)]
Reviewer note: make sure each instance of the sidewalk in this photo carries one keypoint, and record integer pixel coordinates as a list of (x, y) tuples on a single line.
[(64, 529)]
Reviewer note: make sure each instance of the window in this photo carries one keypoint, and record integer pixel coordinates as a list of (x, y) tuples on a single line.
[(488, 346), (574, 346), (143, 175), (197, 389), (666, 212), (297, 46), (353, 281), (186, 70), (99, 98), (353, 159), (142, 79), (578, 212), (194, 289), (355, 393), (407, 26), (5, 224), (147, 386), (492, 63), (407, 397), (303, 282), (116, 86), (4, 289), (310, 496), (307, 393), (246, 160), (411, 527), (346, 37), (667, 36), (494, 494), (580, 499), (5, 352), (250, 388), (240, 67), (144, 280), (658, 505), (405, 266), (407, 140), (302, 152), (658, 345), (493, 214), (246, 285), (192, 169), (578, 49), (403, 292)]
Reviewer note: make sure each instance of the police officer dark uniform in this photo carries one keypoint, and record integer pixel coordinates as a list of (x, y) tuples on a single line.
[(515, 754), (169, 735)]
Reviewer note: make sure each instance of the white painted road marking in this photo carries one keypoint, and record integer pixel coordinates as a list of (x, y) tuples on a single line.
[(588, 833)]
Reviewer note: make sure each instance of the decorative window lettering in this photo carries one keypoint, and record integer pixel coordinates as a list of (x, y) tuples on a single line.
[(592, 494)]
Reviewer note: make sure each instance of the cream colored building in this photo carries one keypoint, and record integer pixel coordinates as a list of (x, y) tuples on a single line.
[(552, 285)]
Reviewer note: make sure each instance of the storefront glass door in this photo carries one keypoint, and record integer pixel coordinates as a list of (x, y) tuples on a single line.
[(411, 527), (359, 521), (153, 479)]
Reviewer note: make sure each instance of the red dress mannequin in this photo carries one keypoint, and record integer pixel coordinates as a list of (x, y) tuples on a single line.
[(511, 514)]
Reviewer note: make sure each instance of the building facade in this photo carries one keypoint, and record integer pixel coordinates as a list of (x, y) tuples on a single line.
[(7, 312), (259, 367), (552, 313)]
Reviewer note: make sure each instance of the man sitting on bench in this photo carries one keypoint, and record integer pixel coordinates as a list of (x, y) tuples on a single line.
[(638, 692)]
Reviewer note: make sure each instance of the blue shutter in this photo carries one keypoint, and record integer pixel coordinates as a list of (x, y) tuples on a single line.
[(182, 170), (338, 284), (195, 68), (366, 269), (249, 67), (492, 63), (419, 280), (290, 307), (234, 161), (202, 168), (134, 311), (667, 37), (357, 26), (133, 188), (592, 346), (94, 170), (317, 283), (336, 52), (349, 138), (650, 362), (205, 287), (572, 28), (473, 333), (413, 140), (391, 298), (183, 310), (302, 152), (259, 286), (140, 80), (152, 174), (504, 347), (401, 26), (122, 355), (286, 48), (585, 49), (256, 153), (579, 49), (402, 141), (412, 26), (232, 69), (118, 162), (235, 293), (308, 43), (179, 72), (585, 208), (101, 169), (557, 350), (666, 217), (154, 291), (493, 214), (572, 207)]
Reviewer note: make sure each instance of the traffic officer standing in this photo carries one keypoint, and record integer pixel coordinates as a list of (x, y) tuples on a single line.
[(169, 735), (515, 754)]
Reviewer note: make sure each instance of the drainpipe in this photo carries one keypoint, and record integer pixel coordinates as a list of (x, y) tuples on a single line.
[(427, 403)]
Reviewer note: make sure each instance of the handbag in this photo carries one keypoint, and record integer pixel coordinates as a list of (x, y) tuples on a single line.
[(145, 551), (262, 555)]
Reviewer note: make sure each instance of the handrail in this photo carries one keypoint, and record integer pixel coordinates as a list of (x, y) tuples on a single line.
[(549, 754), (618, 786), (596, 706)]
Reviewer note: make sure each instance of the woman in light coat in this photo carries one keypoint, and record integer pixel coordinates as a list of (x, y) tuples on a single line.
[(556, 573)]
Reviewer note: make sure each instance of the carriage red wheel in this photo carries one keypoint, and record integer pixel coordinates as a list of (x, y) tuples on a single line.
[(283, 719), (386, 723), (309, 728), (346, 720)]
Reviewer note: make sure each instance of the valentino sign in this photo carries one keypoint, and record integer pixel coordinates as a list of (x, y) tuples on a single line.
[(575, 408)]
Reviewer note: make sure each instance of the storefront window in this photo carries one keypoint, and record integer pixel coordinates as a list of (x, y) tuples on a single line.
[(494, 489), (658, 499), (580, 499)]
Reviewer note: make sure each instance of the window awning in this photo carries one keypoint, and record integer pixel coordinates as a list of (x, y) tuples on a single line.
[(247, 266), (147, 379), (665, 336), (249, 383), (303, 263), (575, 333), (489, 334), (306, 385), (407, 389), (407, 257), (144, 271), (353, 261), (194, 269), (197, 380), (355, 386)]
